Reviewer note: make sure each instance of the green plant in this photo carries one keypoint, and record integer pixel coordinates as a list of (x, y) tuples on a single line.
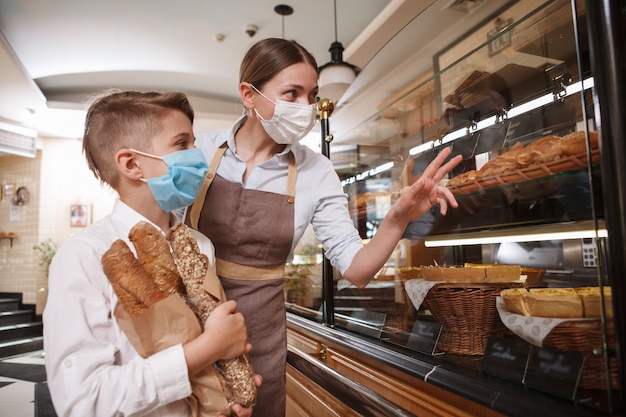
[(46, 250)]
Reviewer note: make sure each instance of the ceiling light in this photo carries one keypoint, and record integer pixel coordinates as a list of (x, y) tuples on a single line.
[(336, 76), (283, 10)]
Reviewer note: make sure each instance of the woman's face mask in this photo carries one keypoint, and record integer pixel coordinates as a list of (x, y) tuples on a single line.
[(291, 121), (180, 186)]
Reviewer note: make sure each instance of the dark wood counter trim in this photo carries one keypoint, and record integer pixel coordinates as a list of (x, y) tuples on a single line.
[(354, 395), (497, 394)]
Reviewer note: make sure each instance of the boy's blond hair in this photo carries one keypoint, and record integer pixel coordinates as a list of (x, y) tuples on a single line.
[(125, 119)]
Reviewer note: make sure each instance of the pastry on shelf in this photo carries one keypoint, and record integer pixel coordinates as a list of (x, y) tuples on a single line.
[(576, 303)]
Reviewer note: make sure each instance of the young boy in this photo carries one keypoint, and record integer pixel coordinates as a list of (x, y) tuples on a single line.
[(141, 144)]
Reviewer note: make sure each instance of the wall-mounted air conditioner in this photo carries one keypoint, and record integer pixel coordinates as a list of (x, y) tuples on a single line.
[(17, 140)]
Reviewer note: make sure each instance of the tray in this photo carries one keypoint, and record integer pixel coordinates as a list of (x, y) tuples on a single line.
[(563, 164)]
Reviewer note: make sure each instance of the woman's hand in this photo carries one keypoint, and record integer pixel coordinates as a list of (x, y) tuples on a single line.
[(426, 192), (237, 410), (413, 203)]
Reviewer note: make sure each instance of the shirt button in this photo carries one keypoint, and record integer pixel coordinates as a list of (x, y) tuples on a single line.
[(68, 363)]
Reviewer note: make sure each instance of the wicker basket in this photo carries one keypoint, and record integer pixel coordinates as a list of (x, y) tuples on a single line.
[(403, 319), (586, 337), (467, 314)]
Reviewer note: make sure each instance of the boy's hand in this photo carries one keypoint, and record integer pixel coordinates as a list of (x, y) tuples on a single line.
[(229, 326)]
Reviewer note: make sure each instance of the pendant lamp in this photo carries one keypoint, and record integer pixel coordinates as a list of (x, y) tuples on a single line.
[(283, 10), (335, 76)]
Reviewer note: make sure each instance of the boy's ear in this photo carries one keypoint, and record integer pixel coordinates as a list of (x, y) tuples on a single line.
[(127, 164), (247, 95)]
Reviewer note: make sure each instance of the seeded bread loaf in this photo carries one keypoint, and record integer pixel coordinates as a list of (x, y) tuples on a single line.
[(236, 375)]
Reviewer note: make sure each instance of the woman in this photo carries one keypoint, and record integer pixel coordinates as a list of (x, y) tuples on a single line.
[(269, 188)]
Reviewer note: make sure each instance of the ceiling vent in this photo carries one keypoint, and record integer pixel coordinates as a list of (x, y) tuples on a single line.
[(15, 140), (464, 6)]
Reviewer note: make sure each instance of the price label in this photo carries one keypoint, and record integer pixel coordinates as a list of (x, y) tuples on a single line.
[(424, 336), (506, 358), (367, 323), (554, 371)]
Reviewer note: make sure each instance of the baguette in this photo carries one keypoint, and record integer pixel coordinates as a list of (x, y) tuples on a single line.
[(155, 257), (235, 375), (132, 284)]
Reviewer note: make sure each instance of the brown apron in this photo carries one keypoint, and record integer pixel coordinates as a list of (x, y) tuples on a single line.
[(252, 232)]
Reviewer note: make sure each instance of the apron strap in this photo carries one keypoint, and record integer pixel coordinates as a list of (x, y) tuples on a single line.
[(196, 208), (292, 174)]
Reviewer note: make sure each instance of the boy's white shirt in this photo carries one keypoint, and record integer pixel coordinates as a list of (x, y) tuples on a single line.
[(92, 369)]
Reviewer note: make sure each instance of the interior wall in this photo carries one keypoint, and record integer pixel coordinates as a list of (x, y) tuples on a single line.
[(19, 269), (57, 179)]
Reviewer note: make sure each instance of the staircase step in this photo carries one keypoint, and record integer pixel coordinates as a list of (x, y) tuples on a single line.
[(17, 347), (15, 317), (21, 331), (9, 304)]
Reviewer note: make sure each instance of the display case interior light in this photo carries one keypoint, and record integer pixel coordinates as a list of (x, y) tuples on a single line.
[(369, 173), (512, 112), (580, 230), (483, 124)]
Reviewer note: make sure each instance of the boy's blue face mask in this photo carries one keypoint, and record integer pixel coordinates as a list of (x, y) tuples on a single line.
[(180, 186)]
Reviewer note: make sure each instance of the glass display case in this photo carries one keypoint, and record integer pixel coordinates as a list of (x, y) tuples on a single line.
[(516, 96)]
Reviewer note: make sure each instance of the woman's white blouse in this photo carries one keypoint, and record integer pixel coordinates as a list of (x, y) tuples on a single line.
[(320, 199)]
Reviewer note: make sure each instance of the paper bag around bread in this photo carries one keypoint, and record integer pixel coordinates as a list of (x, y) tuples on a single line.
[(165, 324)]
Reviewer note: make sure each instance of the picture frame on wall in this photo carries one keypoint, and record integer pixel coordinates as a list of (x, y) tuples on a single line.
[(80, 215), (8, 190)]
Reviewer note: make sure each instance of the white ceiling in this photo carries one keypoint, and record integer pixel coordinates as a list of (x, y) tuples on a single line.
[(73, 48), (55, 54)]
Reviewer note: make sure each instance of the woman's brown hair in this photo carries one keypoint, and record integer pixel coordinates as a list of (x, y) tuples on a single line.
[(268, 57)]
